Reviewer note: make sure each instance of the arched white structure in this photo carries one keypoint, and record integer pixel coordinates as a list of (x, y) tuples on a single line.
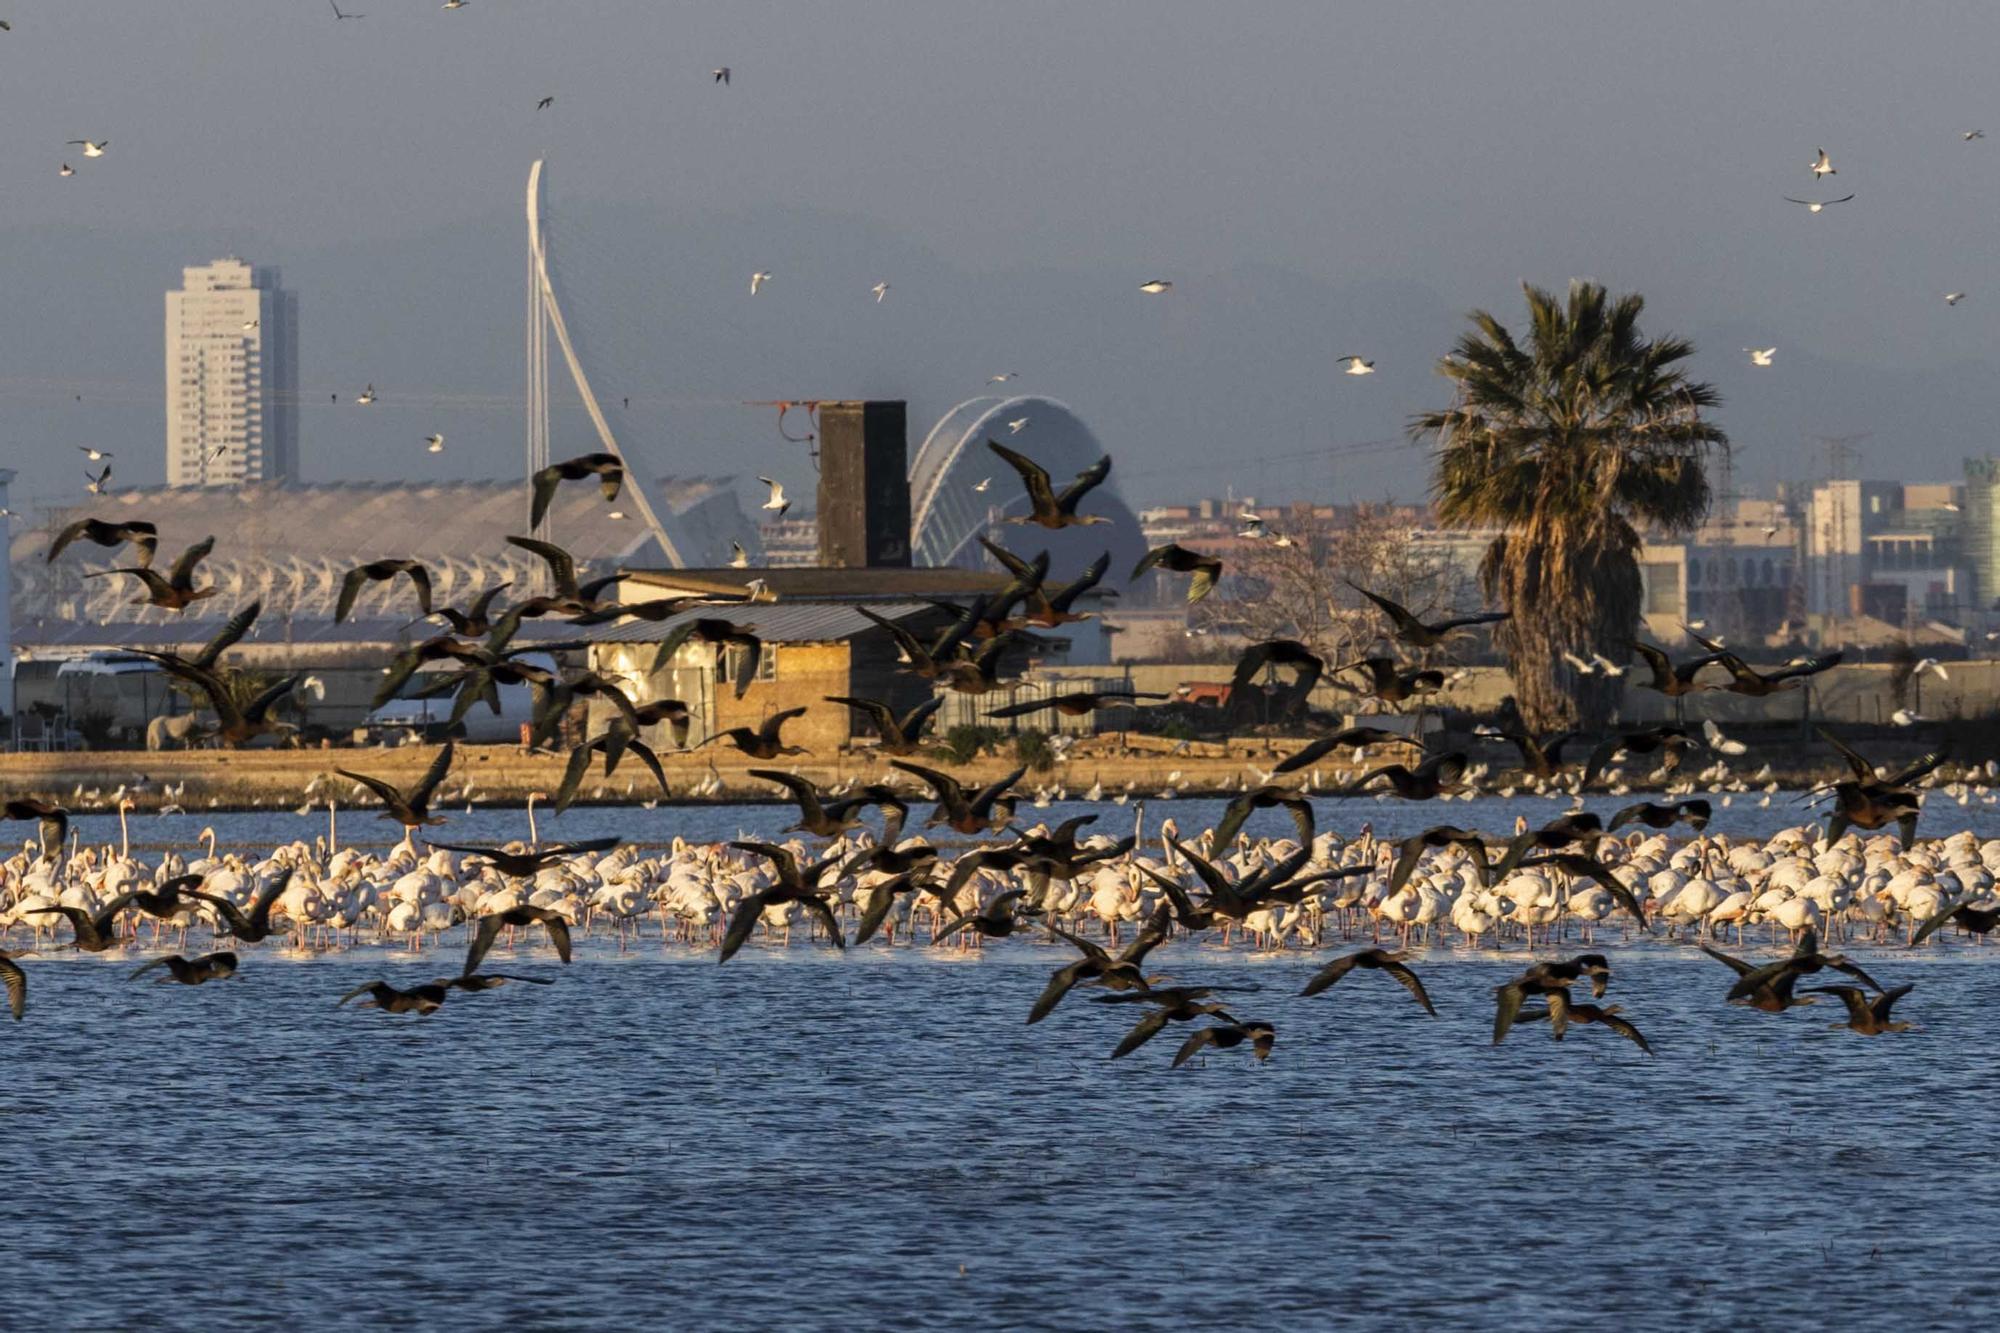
[(947, 514), (545, 316)]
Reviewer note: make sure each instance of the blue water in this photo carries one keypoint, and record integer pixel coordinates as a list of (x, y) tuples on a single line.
[(261, 830), (802, 1139)]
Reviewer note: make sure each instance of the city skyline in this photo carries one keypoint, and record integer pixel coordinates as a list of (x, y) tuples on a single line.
[(1043, 198)]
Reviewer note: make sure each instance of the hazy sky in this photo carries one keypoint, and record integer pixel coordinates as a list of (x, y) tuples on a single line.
[(1317, 178)]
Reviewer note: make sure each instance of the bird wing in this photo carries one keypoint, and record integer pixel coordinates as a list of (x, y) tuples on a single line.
[(562, 565), (1412, 984), (983, 799), (1025, 709), (420, 795), (1154, 558), (228, 636), (1853, 970), (259, 916), (1924, 766), (16, 983), (1331, 973), (1736, 965), (545, 481), (1041, 495), (1601, 754), (1059, 985), (1507, 1008), (482, 940), (1932, 924), (1887, 1000), (261, 705), (1086, 481), (776, 722), (823, 910), (1409, 852), (558, 928), (350, 588), (1312, 753), (1856, 1000), (1142, 1032), (1862, 768), (1625, 1030), (389, 795), (1196, 1040), (1663, 668), (877, 712), (182, 574), (1461, 622), (803, 792), (573, 771), (1405, 622), (1205, 576), (781, 858), (1627, 815)]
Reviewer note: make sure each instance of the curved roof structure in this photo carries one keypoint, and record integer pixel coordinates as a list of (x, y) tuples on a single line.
[(292, 545), (947, 513)]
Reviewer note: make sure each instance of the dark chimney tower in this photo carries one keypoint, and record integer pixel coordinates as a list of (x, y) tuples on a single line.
[(864, 485)]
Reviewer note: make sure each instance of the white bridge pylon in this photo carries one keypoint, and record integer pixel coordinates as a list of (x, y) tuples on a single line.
[(545, 317)]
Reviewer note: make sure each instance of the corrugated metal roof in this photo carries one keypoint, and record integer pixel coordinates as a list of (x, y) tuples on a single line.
[(773, 622)]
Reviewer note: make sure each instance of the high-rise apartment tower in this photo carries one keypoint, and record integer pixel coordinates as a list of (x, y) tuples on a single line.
[(232, 377)]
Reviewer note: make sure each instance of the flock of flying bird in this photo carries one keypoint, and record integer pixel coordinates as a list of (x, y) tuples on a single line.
[(1575, 868)]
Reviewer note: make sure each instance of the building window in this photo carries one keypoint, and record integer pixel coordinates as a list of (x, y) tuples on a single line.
[(730, 660)]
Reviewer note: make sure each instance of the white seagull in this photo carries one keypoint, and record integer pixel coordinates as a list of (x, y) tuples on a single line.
[(1761, 356), (757, 280), (436, 443), (1815, 205), (1356, 365), (249, 324), (739, 558), (1002, 379), (1932, 665), (1718, 742), (721, 74), (1822, 165), (881, 289), (67, 170), (455, 4), (92, 149), (1017, 425), (1953, 298), (777, 502), (1156, 286), (367, 396), (982, 484), (95, 455)]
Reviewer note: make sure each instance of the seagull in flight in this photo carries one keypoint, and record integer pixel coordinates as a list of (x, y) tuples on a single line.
[(95, 455), (435, 443), (1953, 298), (1822, 165), (1815, 205), (249, 324), (1761, 356), (757, 280), (740, 558), (67, 170), (1002, 379), (777, 502), (1017, 425), (455, 4), (721, 74), (881, 289), (1356, 365), (91, 149), (982, 484), (1156, 286), (338, 15), (101, 483), (545, 104), (366, 396), (1970, 135)]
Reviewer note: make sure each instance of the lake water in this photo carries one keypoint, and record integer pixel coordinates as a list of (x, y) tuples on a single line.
[(806, 1140)]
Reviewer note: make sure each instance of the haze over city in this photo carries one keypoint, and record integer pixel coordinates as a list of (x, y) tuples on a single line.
[(1316, 180)]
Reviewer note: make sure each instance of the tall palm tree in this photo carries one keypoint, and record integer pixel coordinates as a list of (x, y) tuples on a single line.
[(1571, 444)]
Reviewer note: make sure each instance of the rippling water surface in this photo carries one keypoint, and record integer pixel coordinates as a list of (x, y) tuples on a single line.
[(802, 1139)]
